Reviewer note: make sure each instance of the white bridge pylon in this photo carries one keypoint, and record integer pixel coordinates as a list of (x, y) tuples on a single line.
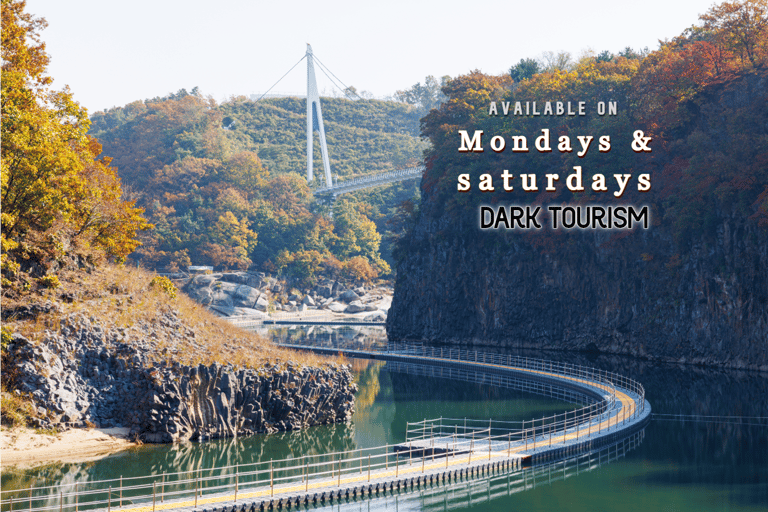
[(315, 119), (315, 122)]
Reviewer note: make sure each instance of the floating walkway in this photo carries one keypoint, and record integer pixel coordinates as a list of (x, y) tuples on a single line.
[(438, 451)]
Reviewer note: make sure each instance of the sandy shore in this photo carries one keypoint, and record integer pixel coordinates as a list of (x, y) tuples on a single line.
[(24, 447)]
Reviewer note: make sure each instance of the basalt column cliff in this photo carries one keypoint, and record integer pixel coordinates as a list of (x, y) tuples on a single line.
[(692, 288)]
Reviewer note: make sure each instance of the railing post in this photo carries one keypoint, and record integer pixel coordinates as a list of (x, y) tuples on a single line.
[(154, 494), (237, 478), (271, 479), (369, 467), (109, 500), (77, 498), (338, 482), (162, 489), (121, 491), (509, 443)]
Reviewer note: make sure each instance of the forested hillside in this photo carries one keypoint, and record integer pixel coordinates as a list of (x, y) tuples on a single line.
[(692, 287), (225, 184)]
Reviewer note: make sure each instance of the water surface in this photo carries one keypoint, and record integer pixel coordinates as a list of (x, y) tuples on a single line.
[(682, 465)]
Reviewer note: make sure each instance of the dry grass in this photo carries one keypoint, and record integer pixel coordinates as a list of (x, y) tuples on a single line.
[(120, 297), (16, 410)]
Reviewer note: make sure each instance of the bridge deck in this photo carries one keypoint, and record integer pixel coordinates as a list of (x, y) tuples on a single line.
[(399, 476)]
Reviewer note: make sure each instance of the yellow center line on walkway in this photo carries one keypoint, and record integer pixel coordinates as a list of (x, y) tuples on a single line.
[(626, 401)]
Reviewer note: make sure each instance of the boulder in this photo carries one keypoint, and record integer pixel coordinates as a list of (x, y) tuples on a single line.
[(223, 286), (355, 307), (308, 301), (222, 299), (337, 307), (324, 290), (261, 303), (348, 296), (235, 277), (246, 296), (203, 280)]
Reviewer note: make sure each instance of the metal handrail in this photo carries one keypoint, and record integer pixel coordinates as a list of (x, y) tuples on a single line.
[(277, 473)]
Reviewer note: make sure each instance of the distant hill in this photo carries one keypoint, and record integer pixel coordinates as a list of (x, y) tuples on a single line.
[(363, 136), (225, 184)]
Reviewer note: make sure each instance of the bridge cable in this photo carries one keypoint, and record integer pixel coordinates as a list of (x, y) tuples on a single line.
[(337, 78), (286, 74), (339, 87)]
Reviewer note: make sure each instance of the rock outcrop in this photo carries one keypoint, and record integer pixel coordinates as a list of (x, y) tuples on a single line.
[(257, 295), (86, 375)]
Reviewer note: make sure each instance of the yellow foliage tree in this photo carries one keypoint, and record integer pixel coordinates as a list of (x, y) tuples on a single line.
[(51, 177)]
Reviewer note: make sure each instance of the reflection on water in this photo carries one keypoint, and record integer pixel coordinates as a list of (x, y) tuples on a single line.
[(679, 466), (482, 492)]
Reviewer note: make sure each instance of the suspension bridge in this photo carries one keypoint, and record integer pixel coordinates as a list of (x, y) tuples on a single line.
[(436, 452), (332, 188)]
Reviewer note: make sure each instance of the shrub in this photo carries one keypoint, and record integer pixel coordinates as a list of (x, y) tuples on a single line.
[(164, 284), (6, 337), (49, 282)]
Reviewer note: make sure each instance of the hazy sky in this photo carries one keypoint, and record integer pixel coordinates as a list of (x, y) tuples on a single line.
[(111, 53)]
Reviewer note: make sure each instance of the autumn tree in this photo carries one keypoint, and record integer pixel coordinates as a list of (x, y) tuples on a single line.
[(55, 189), (740, 27)]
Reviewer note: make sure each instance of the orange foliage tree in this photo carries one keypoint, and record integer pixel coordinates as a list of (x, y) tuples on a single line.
[(55, 190)]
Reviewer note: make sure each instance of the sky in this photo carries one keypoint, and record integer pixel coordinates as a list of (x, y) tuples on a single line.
[(112, 53)]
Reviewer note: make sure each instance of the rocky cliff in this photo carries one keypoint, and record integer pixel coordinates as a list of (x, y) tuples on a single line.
[(115, 346), (88, 375), (698, 297)]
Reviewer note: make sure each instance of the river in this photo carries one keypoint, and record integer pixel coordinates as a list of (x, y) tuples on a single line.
[(698, 461)]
